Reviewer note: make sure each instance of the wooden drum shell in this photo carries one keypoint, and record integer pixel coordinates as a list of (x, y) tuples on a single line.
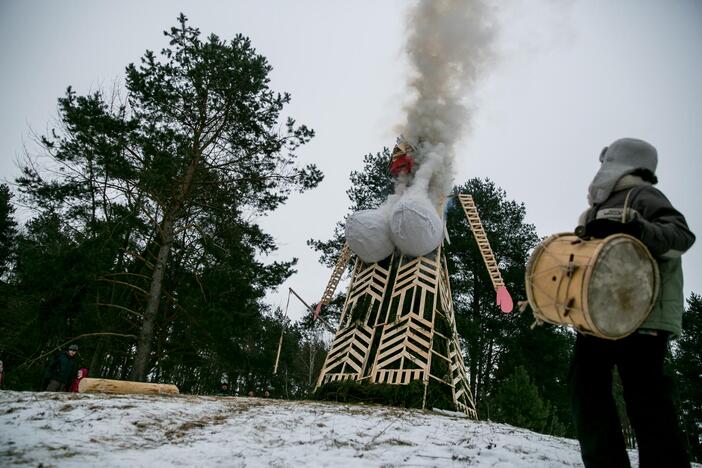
[(602, 287)]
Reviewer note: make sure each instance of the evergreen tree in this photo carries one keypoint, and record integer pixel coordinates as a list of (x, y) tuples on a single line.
[(519, 403), (146, 245), (191, 153), (47, 294), (7, 229), (544, 352), (687, 364), (479, 321)]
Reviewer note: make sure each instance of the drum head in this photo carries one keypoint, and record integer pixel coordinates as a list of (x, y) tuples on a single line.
[(622, 287)]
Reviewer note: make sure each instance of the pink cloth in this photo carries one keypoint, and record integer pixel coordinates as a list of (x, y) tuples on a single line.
[(82, 373), (504, 300)]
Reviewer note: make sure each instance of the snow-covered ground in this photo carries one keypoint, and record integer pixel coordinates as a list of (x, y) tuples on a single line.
[(62, 429)]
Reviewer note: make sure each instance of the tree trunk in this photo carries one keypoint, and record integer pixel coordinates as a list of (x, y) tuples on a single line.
[(98, 357), (124, 367), (146, 333), (486, 381), (311, 372)]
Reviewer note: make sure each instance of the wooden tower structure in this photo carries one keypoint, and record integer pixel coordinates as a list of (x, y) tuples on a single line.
[(397, 324)]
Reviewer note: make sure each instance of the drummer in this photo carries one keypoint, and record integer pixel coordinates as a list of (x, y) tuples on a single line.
[(623, 199)]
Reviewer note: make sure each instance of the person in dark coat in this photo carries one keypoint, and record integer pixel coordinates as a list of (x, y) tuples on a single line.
[(623, 200), (63, 370)]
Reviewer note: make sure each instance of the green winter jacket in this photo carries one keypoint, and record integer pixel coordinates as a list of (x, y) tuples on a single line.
[(648, 215), (667, 312)]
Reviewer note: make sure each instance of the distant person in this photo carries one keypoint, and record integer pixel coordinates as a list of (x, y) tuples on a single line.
[(224, 389), (266, 394), (82, 373), (623, 199), (62, 370), (251, 393)]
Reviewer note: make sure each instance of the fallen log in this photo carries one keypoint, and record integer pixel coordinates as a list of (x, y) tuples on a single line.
[(89, 385)]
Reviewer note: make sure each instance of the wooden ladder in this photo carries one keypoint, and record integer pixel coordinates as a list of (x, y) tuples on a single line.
[(476, 226), (336, 275)]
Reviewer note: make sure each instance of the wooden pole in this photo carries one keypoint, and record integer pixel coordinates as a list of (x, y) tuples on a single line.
[(277, 357), (282, 331)]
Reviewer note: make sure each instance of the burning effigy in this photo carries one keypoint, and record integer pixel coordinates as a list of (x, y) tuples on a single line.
[(397, 327), (449, 45)]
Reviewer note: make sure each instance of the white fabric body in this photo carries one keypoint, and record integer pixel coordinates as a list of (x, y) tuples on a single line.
[(415, 226), (368, 235)]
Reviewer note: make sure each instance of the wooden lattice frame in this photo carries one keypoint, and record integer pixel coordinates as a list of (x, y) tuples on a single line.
[(393, 338), (348, 357)]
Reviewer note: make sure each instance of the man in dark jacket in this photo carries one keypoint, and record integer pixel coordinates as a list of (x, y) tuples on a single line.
[(623, 200), (62, 370)]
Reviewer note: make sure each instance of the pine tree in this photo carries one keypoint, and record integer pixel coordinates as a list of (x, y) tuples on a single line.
[(7, 229), (159, 192), (484, 329), (519, 403), (687, 363)]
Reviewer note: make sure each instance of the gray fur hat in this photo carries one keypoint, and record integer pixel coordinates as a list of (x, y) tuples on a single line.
[(622, 157)]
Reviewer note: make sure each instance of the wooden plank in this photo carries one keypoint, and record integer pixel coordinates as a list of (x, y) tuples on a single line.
[(392, 352), (358, 357)]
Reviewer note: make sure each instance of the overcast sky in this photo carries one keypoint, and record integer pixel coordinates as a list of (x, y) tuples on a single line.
[(570, 78)]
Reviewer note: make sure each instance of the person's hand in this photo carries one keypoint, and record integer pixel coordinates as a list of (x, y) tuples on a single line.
[(631, 215)]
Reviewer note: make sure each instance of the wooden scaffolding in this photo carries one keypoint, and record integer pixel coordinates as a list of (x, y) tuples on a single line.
[(398, 326)]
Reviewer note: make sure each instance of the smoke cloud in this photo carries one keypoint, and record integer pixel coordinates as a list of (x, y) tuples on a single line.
[(450, 45)]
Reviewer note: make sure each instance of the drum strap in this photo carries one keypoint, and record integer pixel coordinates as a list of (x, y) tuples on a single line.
[(626, 205), (630, 196)]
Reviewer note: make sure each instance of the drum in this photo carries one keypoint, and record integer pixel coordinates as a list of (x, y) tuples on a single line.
[(602, 287)]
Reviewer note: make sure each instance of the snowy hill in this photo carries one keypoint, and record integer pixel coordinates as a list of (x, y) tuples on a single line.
[(62, 429)]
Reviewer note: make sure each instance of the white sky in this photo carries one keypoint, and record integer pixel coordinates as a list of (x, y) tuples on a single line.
[(571, 77)]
